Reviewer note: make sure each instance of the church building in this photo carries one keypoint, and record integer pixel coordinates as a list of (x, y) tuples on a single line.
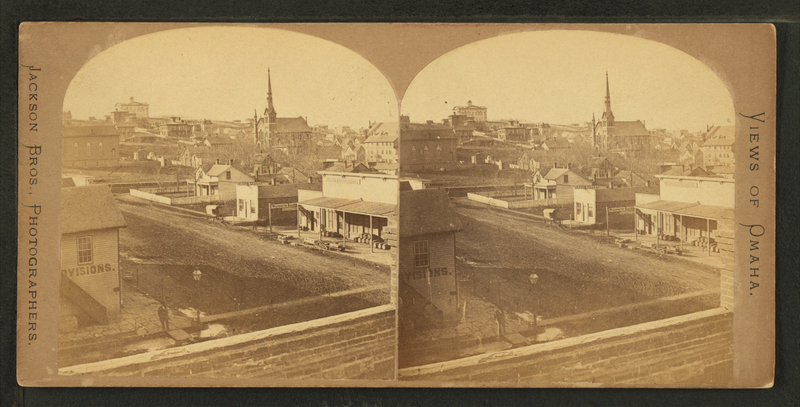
[(631, 137), (276, 132)]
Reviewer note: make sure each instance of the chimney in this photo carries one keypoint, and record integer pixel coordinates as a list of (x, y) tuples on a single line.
[(231, 161), (217, 160), (273, 181), (310, 180), (610, 185)]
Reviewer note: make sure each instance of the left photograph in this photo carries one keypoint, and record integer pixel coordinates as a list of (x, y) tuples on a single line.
[(229, 209)]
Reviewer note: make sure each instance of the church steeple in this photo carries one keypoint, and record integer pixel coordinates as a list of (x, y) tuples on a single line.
[(608, 115), (270, 113)]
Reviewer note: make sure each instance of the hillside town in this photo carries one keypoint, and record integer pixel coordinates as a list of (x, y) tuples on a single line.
[(530, 232), (178, 231)]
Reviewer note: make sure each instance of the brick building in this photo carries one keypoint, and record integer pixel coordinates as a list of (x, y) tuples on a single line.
[(176, 128), (91, 146), (90, 280), (513, 131), (428, 280), (427, 147)]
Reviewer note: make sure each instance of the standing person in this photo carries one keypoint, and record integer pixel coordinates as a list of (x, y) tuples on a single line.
[(501, 322), (163, 316)]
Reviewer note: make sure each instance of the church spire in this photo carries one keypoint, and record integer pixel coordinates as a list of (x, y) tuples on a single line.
[(270, 112), (609, 115)]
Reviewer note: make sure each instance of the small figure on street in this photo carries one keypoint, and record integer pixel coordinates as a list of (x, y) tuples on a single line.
[(163, 316), (501, 322)]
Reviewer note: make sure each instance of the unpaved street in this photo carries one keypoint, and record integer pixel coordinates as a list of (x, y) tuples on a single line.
[(162, 236), (492, 238)]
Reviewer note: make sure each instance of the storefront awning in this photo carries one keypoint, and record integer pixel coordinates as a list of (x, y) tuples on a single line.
[(694, 210), (353, 206)]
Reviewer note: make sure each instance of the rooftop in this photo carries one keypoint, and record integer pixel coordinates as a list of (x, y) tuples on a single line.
[(426, 211), (88, 208), (624, 128)]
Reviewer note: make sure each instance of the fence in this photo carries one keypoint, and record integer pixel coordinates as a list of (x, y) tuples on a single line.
[(495, 199), (148, 194)]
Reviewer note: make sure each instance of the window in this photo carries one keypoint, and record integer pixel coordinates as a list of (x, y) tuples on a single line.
[(100, 148), (84, 250), (566, 178), (422, 257), (88, 148), (591, 210), (227, 175), (578, 206), (252, 207), (241, 205)]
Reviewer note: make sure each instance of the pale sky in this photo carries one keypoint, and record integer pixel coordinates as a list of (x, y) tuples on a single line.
[(559, 77), (220, 73)]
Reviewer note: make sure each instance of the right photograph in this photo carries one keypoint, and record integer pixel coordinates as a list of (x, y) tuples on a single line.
[(566, 214)]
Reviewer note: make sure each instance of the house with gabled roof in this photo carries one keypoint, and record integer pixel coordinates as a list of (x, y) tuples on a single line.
[(555, 144), (220, 179), (558, 183), (600, 167)]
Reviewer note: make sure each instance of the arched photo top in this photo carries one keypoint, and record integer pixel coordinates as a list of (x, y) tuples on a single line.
[(559, 76), (220, 73)]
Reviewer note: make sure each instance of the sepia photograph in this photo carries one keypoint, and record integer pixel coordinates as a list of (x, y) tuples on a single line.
[(228, 203), (396, 205), (578, 195)]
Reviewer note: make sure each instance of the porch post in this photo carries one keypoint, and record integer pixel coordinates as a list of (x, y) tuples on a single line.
[(371, 244), (269, 205), (708, 235), (658, 223)]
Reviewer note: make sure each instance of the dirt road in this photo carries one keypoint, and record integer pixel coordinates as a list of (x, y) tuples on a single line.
[(492, 238), (162, 236)]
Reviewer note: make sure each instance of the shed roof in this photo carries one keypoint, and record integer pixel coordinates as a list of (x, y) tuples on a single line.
[(695, 210), (87, 208), (353, 206)]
